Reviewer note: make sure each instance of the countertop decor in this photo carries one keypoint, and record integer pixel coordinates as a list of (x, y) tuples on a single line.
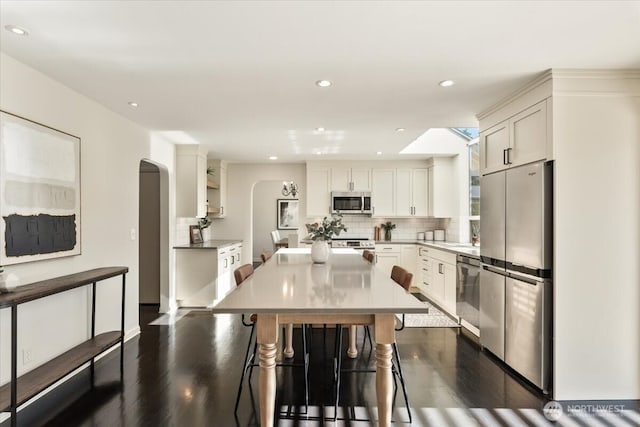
[(321, 234), (388, 226)]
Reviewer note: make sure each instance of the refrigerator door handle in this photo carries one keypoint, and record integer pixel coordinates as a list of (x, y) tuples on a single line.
[(495, 270)]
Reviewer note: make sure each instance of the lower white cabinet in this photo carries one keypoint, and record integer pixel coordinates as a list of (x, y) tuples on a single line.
[(408, 260), (388, 255), (422, 280), (204, 276), (443, 279)]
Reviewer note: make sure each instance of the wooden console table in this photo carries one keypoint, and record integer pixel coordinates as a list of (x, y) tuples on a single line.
[(20, 389)]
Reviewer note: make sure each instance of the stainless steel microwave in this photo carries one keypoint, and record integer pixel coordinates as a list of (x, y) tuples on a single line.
[(351, 202)]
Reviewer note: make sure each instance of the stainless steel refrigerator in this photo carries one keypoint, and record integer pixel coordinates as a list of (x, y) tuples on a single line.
[(516, 276)]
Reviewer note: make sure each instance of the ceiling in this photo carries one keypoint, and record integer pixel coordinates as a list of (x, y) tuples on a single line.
[(240, 77)]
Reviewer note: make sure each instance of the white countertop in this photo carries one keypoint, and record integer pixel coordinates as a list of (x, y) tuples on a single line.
[(457, 248), (290, 283)]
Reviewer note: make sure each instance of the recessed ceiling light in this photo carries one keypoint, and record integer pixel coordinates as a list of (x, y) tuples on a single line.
[(273, 157), (318, 153), (379, 153), (320, 129), (323, 83), (133, 104), (447, 83), (16, 30), (400, 129)]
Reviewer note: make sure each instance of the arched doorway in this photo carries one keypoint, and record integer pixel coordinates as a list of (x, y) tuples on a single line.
[(153, 226)]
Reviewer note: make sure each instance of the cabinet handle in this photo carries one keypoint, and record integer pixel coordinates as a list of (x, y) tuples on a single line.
[(424, 269), (440, 265), (373, 210), (509, 155), (425, 283), (226, 262), (504, 156), (221, 210)]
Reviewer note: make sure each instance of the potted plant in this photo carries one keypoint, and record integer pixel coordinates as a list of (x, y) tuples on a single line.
[(388, 226), (321, 233), (474, 234)]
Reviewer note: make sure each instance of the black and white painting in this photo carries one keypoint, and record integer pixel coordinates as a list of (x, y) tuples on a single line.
[(39, 191), (288, 214)]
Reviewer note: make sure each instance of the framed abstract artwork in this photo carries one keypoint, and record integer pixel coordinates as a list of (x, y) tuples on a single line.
[(40, 188), (288, 214)]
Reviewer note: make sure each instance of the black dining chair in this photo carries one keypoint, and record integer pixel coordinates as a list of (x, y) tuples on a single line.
[(403, 278)]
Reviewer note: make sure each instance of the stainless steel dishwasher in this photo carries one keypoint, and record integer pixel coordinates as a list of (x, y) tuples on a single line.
[(468, 293)]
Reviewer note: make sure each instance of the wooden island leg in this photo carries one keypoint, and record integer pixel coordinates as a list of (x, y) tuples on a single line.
[(267, 338), (385, 336), (288, 341), (352, 351)]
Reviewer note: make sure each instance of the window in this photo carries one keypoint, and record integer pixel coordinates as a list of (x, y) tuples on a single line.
[(474, 187)]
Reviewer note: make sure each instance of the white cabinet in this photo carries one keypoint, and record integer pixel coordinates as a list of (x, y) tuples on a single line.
[(350, 179), (412, 187), (383, 183), (387, 256), (217, 189), (442, 189), (225, 281), (205, 276), (443, 283), (191, 181), (423, 269), (516, 141), (318, 190), (408, 260)]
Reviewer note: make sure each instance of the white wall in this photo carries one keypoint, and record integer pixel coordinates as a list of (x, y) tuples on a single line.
[(111, 149), (596, 136), (265, 219)]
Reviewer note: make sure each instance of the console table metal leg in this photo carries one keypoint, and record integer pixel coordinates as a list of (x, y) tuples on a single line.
[(122, 329), (14, 365), (93, 329)]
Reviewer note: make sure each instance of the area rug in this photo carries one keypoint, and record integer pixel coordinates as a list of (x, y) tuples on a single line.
[(433, 319)]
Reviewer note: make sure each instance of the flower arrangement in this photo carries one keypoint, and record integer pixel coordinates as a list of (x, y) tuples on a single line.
[(328, 228), (387, 226)]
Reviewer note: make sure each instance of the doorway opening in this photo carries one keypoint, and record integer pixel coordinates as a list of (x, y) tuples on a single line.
[(153, 226)]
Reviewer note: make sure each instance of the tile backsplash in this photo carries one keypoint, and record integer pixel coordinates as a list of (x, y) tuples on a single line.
[(406, 228)]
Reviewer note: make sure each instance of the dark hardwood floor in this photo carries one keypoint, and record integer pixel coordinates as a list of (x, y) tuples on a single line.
[(186, 374)]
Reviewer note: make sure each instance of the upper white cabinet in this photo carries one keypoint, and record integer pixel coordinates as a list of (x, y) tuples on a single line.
[(412, 192), (443, 188), (191, 181), (318, 190), (516, 141), (217, 189), (350, 179), (383, 183), (396, 190)]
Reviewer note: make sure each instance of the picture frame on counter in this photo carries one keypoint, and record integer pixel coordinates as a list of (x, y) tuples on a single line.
[(195, 234), (288, 216)]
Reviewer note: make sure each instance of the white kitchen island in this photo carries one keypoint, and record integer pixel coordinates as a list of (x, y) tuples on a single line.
[(346, 290)]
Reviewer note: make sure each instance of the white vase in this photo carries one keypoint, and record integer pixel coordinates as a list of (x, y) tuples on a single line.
[(320, 251), (8, 282)]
